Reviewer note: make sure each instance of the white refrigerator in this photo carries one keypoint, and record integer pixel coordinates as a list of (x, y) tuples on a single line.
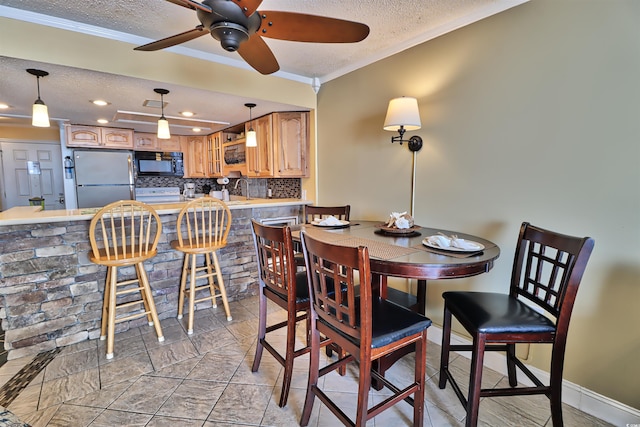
[(103, 177)]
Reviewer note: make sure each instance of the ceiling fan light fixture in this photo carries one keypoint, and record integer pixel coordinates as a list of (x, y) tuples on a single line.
[(40, 112), (251, 138), (229, 34), (163, 124)]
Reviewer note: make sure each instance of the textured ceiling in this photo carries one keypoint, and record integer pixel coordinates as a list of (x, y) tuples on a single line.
[(395, 25)]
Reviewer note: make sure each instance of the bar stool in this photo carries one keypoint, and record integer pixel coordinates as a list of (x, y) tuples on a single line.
[(203, 226), (123, 234)]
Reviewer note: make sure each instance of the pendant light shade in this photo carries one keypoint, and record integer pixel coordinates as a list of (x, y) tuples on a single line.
[(40, 115), (163, 123), (251, 139)]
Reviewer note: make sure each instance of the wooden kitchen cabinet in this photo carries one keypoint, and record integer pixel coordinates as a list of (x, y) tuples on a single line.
[(195, 156), (98, 137), (234, 151), (291, 144), (214, 157), (260, 158), (150, 142), (283, 146)]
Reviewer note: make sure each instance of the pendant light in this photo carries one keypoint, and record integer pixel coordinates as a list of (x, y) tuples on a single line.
[(252, 140), (163, 124), (40, 117)]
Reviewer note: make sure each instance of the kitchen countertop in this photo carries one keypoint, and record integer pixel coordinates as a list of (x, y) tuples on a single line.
[(35, 215)]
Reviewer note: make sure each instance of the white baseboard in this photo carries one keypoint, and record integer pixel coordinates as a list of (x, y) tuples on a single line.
[(574, 395)]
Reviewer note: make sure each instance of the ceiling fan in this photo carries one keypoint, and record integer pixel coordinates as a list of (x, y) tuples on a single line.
[(239, 26)]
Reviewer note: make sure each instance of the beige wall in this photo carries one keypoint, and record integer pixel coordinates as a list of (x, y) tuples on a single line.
[(531, 115)]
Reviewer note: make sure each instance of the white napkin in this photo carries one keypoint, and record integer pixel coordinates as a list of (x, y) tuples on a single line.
[(441, 241), (402, 223), (396, 219), (330, 220), (465, 244)]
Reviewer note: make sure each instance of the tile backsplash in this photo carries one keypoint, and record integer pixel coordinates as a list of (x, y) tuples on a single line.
[(281, 188)]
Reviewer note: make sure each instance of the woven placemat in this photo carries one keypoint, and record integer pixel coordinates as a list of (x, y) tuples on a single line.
[(378, 249)]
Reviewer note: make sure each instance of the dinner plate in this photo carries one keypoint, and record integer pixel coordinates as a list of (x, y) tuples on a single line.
[(393, 230), (480, 247), (317, 223)]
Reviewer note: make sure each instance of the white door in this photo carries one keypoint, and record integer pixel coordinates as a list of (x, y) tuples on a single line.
[(31, 170)]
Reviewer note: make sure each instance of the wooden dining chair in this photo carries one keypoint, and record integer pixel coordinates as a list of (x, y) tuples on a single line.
[(365, 325), (281, 283), (123, 234), (202, 227), (312, 212), (547, 271)]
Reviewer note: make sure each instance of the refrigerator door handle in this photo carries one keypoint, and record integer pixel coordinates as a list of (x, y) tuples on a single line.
[(132, 180)]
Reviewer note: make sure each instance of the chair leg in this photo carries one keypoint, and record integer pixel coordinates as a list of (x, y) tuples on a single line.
[(143, 297), (364, 385), (111, 322), (312, 383), (212, 289), (420, 371), (262, 330), (288, 359), (223, 291), (511, 366), (192, 291), (183, 283), (444, 351), (105, 306), (555, 398), (148, 296), (475, 381)]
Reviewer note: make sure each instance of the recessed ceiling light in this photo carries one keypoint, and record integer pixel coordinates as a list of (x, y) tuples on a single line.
[(100, 102), (103, 121), (187, 113), (3, 106), (196, 129)]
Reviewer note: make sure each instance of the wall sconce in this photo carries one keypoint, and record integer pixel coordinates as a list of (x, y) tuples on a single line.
[(40, 117), (251, 140), (163, 123), (403, 115)]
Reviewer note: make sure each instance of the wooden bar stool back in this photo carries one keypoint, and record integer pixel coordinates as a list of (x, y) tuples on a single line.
[(319, 212), (366, 326), (547, 270), (202, 227), (123, 234)]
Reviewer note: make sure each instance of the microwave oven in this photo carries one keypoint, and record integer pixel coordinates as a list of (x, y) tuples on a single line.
[(152, 163)]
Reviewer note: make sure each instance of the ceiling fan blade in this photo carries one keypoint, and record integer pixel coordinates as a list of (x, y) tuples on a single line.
[(257, 54), (301, 27), (174, 40), (191, 4), (248, 6)]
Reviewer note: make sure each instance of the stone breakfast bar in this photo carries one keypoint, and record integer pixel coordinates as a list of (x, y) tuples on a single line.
[(51, 294)]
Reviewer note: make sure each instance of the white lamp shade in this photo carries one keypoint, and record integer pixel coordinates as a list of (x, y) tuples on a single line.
[(163, 129), (252, 140), (402, 112), (40, 116)]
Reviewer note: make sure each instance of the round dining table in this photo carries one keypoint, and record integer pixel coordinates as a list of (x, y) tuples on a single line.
[(407, 254)]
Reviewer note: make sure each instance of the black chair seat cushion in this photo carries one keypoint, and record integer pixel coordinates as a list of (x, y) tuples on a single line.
[(390, 323), (495, 313), (302, 289)]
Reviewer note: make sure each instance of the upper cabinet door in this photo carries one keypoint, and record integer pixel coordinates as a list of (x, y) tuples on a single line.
[(117, 138), (83, 136), (260, 158), (144, 141), (291, 144), (171, 144), (195, 151)]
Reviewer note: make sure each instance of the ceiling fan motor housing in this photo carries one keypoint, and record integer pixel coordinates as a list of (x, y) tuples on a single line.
[(228, 24)]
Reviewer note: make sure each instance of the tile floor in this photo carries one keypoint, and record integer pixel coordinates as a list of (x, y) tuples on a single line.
[(206, 380)]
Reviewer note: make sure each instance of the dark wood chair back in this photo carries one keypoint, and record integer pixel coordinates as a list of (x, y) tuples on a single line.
[(318, 212)]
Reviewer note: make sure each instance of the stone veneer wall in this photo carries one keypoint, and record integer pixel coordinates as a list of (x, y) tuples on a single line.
[(51, 294)]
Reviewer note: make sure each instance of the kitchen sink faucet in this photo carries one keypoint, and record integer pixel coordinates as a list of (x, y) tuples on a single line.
[(246, 181)]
